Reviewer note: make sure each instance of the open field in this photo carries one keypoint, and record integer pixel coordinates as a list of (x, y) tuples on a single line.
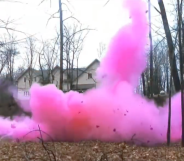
[(88, 151)]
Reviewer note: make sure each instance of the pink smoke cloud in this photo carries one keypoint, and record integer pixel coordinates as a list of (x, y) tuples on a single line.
[(111, 112)]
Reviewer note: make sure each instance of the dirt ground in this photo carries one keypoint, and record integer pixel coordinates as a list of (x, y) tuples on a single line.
[(87, 151)]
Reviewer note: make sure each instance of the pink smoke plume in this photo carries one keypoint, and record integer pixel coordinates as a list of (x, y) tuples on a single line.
[(111, 112)]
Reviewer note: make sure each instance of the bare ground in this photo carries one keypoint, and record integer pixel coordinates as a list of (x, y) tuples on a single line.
[(87, 151)]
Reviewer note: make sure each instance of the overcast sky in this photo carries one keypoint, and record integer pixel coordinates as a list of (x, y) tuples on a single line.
[(32, 19)]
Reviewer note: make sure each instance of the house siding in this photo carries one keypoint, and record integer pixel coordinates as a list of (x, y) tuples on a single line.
[(83, 79), (23, 87), (56, 80)]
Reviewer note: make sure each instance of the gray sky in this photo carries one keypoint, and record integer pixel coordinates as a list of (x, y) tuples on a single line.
[(32, 19)]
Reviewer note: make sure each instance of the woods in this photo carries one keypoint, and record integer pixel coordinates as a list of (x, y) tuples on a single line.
[(165, 66)]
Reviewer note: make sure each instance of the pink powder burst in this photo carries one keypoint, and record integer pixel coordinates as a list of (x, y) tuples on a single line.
[(111, 112)]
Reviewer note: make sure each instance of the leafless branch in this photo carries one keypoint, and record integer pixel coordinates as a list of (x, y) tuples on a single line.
[(50, 153), (156, 9), (41, 2), (45, 148), (52, 16), (106, 3), (12, 1), (73, 18)]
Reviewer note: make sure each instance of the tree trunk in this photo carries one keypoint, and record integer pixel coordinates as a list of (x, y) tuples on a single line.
[(183, 41), (39, 59), (167, 75), (67, 71), (77, 73), (143, 84), (61, 46), (151, 51), (181, 66), (72, 68), (172, 57)]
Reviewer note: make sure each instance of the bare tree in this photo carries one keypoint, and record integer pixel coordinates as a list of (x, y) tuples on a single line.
[(74, 37), (160, 66), (30, 56), (3, 58), (10, 52), (151, 51), (61, 45), (179, 8), (170, 46), (47, 59)]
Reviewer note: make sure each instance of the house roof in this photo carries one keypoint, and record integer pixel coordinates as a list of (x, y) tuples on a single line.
[(85, 71), (22, 74), (45, 72), (75, 72), (36, 73)]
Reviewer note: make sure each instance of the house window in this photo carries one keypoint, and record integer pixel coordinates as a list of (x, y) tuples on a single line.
[(35, 79), (24, 79), (89, 75), (26, 93)]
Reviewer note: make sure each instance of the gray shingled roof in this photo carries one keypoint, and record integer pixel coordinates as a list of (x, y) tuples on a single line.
[(45, 72), (85, 71), (74, 72)]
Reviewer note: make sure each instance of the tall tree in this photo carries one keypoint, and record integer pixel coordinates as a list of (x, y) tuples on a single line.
[(74, 37), (11, 51), (151, 51), (179, 7), (3, 58), (61, 45), (29, 59), (175, 74)]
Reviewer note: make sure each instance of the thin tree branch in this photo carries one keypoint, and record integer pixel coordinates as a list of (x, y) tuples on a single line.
[(106, 3)]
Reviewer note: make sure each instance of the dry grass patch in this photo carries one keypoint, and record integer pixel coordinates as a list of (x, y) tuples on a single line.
[(88, 151)]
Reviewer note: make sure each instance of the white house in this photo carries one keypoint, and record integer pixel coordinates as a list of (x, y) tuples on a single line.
[(80, 79)]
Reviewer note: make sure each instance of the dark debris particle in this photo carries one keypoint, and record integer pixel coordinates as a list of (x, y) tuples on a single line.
[(17, 140), (97, 126), (151, 128), (124, 114), (118, 109), (104, 76), (127, 111), (148, 141), (79, 112), (114, 130), (13, 126), (81, 101), (161, 134)]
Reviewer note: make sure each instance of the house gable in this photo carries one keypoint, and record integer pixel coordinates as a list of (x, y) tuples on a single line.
[(23, 79), (87, 78)]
